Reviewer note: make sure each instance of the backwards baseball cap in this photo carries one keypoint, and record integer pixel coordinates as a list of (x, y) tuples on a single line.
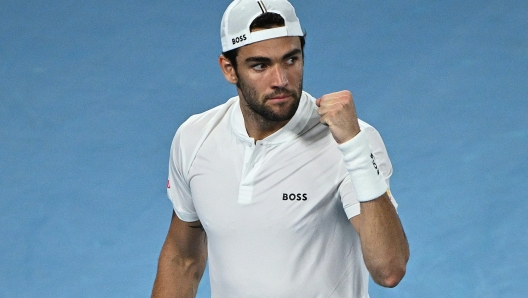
[(239, 15)]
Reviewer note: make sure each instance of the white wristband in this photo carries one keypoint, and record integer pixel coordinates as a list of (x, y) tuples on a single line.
[(364, 173)]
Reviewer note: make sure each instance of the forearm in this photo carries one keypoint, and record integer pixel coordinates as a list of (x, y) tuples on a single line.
[(383, 241), (177, 276), (182, 260)]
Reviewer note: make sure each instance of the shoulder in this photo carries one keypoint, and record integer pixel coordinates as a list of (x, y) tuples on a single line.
[(198, 122), (197, 125), (192, 133)]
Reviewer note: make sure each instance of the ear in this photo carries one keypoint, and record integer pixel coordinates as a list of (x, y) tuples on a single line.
[(227, 69)]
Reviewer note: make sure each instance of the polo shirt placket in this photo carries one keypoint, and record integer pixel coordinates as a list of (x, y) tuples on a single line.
[(255, 152)]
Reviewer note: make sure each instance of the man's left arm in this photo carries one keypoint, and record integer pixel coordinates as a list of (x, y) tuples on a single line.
[(383, 241)]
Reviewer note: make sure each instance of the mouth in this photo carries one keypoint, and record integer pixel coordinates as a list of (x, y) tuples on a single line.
[(279, 98)]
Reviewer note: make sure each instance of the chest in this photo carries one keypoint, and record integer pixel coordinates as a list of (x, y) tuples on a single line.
[(291, 186)]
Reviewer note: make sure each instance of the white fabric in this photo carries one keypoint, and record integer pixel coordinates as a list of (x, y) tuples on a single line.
[(260, 245), (234, 28), (362, 168)]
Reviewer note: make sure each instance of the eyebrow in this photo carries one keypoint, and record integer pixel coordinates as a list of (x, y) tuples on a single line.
[(261, 59)]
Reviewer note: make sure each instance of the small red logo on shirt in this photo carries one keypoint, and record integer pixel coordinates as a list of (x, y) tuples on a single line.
[(168, 183)]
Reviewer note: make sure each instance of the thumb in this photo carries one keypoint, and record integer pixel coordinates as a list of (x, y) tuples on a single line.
[(318, 102)]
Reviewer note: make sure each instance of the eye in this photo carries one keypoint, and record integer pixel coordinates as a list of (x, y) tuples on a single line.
[(292, 60), (259, 67)]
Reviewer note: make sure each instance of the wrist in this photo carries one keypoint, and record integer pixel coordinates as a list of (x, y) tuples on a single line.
[(362, 168)]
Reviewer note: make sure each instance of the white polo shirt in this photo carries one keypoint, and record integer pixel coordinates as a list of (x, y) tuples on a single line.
[(276, 213)]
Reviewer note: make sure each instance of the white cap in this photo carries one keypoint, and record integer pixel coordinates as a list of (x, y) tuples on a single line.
[(234, 29)]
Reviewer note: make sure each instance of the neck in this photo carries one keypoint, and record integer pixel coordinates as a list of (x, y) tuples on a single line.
[(257, 126)]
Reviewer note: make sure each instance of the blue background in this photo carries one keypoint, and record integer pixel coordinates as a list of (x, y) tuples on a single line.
[(91, 93)]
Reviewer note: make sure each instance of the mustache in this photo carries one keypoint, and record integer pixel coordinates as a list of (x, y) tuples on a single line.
[(280, 91)]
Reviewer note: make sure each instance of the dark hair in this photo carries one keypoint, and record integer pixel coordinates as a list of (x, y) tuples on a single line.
[(266, 20)]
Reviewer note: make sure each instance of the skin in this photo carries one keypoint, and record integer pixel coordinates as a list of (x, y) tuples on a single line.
[(269, 82), (383, 241), (270, 78), (182, 260)]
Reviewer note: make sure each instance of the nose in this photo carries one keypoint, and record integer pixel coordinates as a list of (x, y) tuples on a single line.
[(279, 79)]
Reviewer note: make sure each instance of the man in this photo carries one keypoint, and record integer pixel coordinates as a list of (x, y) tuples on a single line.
[(285, 195)]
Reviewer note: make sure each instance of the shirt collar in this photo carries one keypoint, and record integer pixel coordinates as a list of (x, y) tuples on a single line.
[(305, 117)]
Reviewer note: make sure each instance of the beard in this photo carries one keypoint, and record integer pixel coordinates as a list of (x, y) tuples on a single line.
[(266, 112)]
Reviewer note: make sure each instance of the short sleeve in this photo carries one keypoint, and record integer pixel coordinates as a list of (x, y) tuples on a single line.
[(178, 189)]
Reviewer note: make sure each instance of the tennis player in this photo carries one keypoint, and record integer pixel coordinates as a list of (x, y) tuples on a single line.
[(284, 194)]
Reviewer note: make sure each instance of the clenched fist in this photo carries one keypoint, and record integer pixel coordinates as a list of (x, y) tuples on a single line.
[(337, 110)]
